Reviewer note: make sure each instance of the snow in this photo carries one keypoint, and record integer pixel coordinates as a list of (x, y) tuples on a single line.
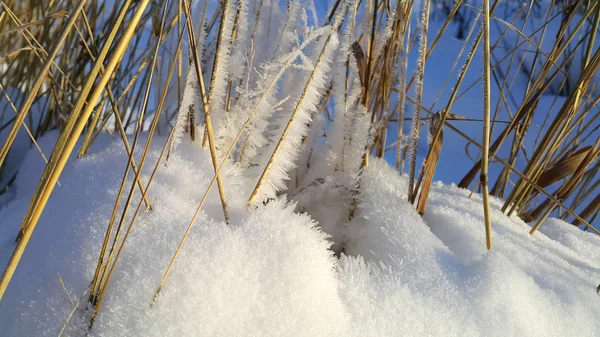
[(295, 265), (271, 271)]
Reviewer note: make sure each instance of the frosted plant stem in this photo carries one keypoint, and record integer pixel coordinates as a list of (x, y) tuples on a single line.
[(212, 101), (446, 110), (365, 98), (414, 140), (402, 97), (218, 170), (294, 113)]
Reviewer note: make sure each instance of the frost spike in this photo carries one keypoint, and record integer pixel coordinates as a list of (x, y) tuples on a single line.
[(296, 110)]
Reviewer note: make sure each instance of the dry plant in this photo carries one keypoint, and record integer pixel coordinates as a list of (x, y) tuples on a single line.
[(277, 81)]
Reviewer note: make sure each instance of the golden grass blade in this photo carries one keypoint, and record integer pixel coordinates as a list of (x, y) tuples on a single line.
[(437, 135), (73, 118), (88, 140), (129, 228), (208, 122), (69, 140), (91, 128), (71, 313), (530, 101), (592, 207), (564, 168), (38, 83), (553, 137), (35, 23), (14, 54), (532, 183), (567, 188), (102, 281), (31, 137)]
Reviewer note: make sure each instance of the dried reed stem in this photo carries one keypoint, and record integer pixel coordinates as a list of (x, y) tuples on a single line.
[(69, 139), (486, 124), (205, 104), (37, 85)]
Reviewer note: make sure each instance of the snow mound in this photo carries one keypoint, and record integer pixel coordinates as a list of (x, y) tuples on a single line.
[(228, 280), (271, 272)]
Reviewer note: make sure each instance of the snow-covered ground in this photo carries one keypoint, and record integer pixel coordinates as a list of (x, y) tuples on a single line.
[(298, 267), (271, 272)]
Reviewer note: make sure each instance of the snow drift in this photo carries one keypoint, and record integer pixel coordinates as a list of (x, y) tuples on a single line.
[(271, 272)]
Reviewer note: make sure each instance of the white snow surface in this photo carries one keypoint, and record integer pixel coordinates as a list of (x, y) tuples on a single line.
[(270, 272)]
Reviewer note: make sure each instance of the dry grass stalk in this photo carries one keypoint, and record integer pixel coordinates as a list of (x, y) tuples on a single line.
[(553, 137), (31, 136), (563, 168), (34, 23), (567, 188), (205, 103), (38, 83), (58, 160), (100, 296), (100, 283), (486, 124), (437, 138), (591, 208), (539, 87), (513, 170), (101, 278), (532, 183)]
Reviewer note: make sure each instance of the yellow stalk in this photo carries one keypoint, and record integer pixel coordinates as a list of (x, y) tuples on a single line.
[(38, 84), (208, 122), (71, 139), (103, 281)]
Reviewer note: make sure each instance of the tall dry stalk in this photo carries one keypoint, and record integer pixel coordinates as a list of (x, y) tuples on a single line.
[(205, 103), (486, 124), (58, 160), (38, 84)]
